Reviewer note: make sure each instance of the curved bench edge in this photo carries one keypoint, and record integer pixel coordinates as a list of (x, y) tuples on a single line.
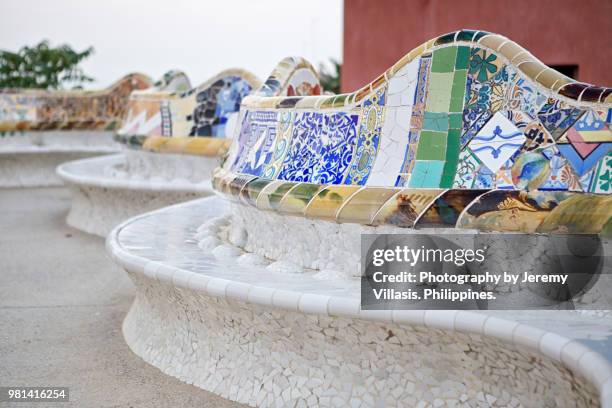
[(63, 171), (570, 353)]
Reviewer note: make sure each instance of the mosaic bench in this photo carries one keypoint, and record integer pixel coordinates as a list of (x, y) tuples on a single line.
[(467, 132), (41, 129), (267, 338), (172, 142), (261, 302)]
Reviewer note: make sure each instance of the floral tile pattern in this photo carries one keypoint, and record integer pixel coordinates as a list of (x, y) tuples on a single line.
[(561, 176), (371, 120), (322, 148)]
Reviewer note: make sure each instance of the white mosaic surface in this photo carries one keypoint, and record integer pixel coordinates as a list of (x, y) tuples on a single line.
[(295, 244), (111, 189), (163, 167), (29, 159), (267, 338), (400, 95), (68, 140)]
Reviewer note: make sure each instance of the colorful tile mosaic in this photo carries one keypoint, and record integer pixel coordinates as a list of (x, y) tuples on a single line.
[(214, 105), (602, 178), (467, 113), (27, 109), (175, 112), (402, 124), (255, 142), (369, 138), (322, 147)]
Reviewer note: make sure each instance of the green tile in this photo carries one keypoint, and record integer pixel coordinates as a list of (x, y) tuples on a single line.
[(439, 92), (434, 174), (452, 158), (448, 175), (453, 143), (463, 57), (444, 59), (455, 120), (445, 39), (458, 91), (419, 171), (436, 121), (432, 146), (426, 174), (448, 178)]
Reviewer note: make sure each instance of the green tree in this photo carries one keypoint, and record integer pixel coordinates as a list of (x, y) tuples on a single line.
[(330, 80), (43, 66)]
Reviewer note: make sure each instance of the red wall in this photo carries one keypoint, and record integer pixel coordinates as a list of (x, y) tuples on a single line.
[(558, 32)]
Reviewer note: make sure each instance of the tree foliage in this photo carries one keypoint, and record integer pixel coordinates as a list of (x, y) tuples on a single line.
[(43, 66), (330, 79)]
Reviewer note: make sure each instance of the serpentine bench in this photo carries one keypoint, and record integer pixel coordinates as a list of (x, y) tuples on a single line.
[(40, 129), (467, 132), (172, 142), (261, 303)]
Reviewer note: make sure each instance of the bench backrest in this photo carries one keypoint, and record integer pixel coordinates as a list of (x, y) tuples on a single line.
[(30, 109), (468, 121)]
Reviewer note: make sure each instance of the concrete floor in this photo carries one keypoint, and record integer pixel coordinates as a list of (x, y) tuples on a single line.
[(62, 302)]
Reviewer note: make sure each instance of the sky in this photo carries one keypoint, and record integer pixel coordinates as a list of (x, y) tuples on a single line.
[(199, 37)]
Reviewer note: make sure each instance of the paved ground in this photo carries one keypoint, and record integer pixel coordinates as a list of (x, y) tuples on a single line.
[(62, 302)]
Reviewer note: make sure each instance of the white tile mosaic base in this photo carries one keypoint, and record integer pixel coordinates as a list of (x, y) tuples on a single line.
[(334, 249), (29, 159), (111, 189), (272, 339)]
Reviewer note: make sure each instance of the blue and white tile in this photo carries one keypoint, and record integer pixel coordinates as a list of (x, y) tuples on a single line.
[(496, 142), (338, 148), (255, 142), (322, 147)]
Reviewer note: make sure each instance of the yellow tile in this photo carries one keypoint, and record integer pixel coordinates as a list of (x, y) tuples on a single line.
[(296, 200), (328, 201), (522, 58), (548, 77), (492, 41), (378, 81), (404, 208), (272, 194), (532, 68), (510, 50), (362, 93), (362, 206)]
